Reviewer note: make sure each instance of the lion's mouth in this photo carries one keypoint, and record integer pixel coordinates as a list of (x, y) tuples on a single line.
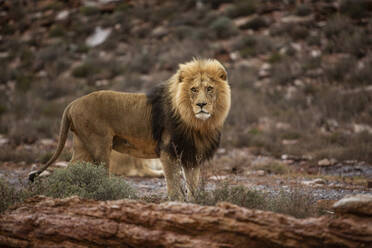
[(202, 115)]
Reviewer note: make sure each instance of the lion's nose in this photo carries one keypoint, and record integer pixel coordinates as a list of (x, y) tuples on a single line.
[(201, 104)]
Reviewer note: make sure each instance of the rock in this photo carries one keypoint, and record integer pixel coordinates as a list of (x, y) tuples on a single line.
[(324, 162), (242, 21), (282, 126), (289, 142), (3, 140), (62, 15), (46, 142), (327, 162), (315, 53), (218, 178), (100, 35), (298, 19), (159, 32), (360, 204), (317, 181), (260, 173), (264, 70), (359, 128), (75, 222)]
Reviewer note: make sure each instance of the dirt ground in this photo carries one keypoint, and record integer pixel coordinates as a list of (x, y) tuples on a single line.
[(241, 167)]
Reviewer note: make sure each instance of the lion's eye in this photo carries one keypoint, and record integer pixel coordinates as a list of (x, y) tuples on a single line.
[(193, 89), (209, 88)]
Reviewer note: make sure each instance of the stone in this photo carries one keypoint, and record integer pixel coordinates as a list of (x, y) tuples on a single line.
[(360, 204), (46, 142), (260, 173), (3, 140), (62, 15), (314, 182), (159, 32), (297, 19), (98, 37), (324, 162), (89, 223)]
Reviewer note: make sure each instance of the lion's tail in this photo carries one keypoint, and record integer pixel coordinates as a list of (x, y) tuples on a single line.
[(63, 132)]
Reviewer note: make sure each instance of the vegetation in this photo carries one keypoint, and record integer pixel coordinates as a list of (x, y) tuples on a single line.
[(295, 201), (81, 179)]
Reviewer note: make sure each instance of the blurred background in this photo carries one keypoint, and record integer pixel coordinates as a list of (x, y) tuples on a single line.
[(300, 71)]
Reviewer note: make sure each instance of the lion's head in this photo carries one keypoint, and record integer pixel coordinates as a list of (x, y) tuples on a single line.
[(200, 93)]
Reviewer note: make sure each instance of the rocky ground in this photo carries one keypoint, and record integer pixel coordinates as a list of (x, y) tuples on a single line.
[(324, 182)]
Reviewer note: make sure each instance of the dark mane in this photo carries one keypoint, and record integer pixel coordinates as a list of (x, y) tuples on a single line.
[(183, 140)]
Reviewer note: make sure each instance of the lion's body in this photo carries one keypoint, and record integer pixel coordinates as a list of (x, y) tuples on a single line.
[(179, 122), (125, 165)]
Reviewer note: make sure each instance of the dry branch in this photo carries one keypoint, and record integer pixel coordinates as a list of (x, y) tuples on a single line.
[(75, 222)]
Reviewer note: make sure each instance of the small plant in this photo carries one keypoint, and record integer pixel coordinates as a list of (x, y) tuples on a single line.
[(296, 202), (223, 27), (89, 10), (56, 31), (85, 180), (237, 195), (303, 10), (354, 8), (9, 195), (242, 8)]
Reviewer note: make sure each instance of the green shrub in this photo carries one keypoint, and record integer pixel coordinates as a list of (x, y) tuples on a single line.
[(237, 195), (9, 195), (242, 8), (295, 202), (84, 180), (354, 8), (89, 10), (56, 31), (303, 10), (223, 27)]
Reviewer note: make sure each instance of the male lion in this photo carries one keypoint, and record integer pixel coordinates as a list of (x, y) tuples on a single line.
[(179, 121)]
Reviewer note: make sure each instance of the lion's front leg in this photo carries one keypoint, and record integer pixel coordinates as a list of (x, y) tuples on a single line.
[(192, 176), (173, 178)]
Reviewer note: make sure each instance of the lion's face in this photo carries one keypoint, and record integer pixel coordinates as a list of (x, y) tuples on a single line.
[(201, 93)]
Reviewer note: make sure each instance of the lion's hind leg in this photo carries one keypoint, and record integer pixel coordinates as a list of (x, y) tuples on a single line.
[(80, 152)]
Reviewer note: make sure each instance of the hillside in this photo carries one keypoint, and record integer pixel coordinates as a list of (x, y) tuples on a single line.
[(300, 70)]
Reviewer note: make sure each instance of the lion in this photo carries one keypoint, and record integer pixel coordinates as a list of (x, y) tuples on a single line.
[(125, 165), (178, 121)]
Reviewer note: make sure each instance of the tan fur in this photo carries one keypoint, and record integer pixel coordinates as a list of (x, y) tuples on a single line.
[(106, 120), (125, 165)]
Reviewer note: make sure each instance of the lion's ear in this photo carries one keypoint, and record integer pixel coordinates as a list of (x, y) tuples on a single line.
[(181, 76)]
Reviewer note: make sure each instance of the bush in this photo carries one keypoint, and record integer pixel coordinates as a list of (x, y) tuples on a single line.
[(9, 195), (295, 202), (354, 8), (242, 8), (84, 180), (223, 27), (303, 10), (237, 195)]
